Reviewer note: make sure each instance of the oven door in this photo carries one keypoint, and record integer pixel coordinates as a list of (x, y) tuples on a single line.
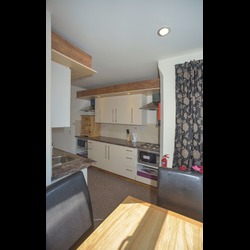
[(82, 147), (147, 157), (81, 143)]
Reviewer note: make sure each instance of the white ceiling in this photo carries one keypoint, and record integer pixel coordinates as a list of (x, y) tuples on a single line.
[(121, 35)]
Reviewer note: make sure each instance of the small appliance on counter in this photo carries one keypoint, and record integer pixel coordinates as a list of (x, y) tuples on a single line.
[(134, 137)]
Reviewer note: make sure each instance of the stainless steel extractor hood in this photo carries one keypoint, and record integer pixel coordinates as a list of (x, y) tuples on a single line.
[(90, 108), (154, 104)]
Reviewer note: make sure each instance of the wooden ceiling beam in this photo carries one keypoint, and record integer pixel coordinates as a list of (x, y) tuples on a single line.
[(147, 87), (66, 48)]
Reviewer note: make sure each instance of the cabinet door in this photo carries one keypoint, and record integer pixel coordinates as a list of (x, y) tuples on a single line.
[(99, 152), (91, 150), (138, 116), (105, 110), (98, 104), (60, 95), (108, 110), (122, 110), (123, 161)]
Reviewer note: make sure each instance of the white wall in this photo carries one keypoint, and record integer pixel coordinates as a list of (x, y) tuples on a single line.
[(167, 75), (48, 100)]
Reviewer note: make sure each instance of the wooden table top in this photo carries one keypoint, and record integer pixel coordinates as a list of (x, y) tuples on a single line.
[(139, 225)]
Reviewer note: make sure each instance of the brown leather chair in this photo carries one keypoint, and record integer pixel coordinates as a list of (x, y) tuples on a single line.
[(69, 216), (181, 192)]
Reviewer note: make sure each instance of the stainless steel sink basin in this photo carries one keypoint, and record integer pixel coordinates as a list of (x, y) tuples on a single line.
[(59, 160)]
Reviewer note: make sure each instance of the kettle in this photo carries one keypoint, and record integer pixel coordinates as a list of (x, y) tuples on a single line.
[(134, 137)]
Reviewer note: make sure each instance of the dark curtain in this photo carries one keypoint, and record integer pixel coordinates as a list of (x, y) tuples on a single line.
[(189, 115)]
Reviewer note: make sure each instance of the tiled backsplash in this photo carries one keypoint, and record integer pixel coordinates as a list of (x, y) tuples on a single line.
[(146, 133)]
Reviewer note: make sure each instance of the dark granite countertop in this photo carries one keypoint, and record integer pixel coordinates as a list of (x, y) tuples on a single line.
[(69, 167), (115, 141)]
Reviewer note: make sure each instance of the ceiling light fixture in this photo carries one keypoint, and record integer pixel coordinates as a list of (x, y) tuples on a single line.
[(163, 31)]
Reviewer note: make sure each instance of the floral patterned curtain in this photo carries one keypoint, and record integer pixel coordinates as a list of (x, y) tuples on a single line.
[(189, 115)]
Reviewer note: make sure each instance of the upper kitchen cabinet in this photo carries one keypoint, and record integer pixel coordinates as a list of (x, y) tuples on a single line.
[(121, 109), (72, 57), (60, 95)]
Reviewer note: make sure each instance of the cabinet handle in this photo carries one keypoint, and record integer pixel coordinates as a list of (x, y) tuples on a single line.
[(129, 158), (105, 151), (108, 153), (131, 115), (99, 115), (112, 115), (128, 169), (115, 115), (128, 150)]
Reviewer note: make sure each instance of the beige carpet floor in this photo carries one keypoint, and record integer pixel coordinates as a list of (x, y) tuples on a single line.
[(108, 190)]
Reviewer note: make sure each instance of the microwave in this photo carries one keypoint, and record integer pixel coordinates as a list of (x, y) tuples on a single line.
[(147, 157)]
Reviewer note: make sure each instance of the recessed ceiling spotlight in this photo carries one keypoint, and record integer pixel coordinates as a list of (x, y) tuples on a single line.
[(163, 31)]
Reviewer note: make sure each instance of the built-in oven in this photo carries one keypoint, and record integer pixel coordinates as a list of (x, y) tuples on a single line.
[(148, 163), (82, 146)]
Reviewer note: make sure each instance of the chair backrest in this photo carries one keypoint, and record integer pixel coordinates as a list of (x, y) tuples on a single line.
[(69, 216), (181, 192)]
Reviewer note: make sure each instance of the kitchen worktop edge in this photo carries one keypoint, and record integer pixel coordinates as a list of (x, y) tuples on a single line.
[(70, 167), (116, 141)]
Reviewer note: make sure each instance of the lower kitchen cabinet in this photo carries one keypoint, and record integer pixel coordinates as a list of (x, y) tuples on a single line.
[(99, 152), (114, 158), (124, 161), (147, 174)]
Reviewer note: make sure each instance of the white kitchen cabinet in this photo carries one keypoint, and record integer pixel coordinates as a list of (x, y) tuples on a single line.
[(60, 95), (121, 109), (98, 103), (91, 149), (124, 160), (114, 158), (104, 110), (137, 116), (100, 152)]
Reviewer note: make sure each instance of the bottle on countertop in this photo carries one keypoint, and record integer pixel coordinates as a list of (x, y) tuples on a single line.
[(128, 138)]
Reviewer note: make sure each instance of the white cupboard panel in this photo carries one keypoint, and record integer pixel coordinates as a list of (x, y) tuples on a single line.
[(60, 95)]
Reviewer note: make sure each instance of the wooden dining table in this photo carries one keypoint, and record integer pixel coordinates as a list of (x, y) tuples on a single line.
[(139, 225)]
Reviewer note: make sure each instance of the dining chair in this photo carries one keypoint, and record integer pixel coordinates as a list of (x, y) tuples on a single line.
[(181, 192), (69, 215)]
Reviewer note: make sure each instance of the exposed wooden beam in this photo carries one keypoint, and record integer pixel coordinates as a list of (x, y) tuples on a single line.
[(67, 54), (66, 48), (78, 70), (146, 87)]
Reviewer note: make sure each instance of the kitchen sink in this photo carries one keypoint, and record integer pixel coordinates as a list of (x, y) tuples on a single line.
[(59, 160)]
